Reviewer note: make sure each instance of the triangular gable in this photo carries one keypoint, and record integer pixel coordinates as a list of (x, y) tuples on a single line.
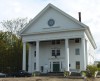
[(57, 9)]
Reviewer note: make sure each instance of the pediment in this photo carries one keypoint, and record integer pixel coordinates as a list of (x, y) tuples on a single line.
[(52, 19)]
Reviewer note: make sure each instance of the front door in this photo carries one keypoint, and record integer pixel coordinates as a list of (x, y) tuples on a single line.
[(56, 67)]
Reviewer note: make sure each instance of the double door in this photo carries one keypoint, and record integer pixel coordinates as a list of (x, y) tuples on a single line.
[(56, 67)]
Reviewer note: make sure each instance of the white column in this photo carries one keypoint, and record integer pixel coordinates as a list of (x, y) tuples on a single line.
[(86, 52), (30, 58), (37, 56), (24, 56), (66, 55), (83, 54)]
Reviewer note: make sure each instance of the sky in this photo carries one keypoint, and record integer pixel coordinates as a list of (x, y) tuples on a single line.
[(90, 12)]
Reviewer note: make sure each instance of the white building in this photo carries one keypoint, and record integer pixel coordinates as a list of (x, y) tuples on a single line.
[(57, 42)]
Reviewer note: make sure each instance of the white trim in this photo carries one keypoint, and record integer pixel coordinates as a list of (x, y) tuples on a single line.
[(54, 31)]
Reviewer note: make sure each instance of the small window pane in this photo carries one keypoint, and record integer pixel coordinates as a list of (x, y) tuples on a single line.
[(77, 51), (34, 53), (53, 52), (77, 40), (34, 65), (58, 52), (77, 65), (69, 65), (58, 42), (53, 42)]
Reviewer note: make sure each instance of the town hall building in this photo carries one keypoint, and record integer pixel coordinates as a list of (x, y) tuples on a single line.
[(57, 42)]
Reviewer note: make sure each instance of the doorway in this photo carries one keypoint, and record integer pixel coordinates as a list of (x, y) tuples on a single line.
[(56, 67)]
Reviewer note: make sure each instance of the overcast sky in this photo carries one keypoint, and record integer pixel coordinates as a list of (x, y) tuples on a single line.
[(90, 11)]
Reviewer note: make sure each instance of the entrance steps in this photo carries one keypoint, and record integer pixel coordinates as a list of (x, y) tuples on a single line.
[(52, 74), (74, 75)]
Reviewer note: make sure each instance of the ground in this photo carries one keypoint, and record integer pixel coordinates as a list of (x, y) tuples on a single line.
[(44, 79)]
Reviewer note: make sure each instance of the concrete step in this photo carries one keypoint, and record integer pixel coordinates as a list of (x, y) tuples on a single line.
[(52, 74)]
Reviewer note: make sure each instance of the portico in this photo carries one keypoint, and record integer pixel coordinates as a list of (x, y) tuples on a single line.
[(62, 62)]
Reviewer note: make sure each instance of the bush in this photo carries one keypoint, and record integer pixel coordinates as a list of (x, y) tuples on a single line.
[(36, 73), (66, 73), (91, 70), (83, 73)]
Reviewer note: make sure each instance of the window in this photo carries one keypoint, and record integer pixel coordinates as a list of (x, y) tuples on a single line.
[(42, 68), (69, 65), (77, 40), (55, 42), (77, 64), (34, 53), (61, 65), (77, 51), (50, 65), (55, 52), (58, 42), (58, 52), (34, 65)]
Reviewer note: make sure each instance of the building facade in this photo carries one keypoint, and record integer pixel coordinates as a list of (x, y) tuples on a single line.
[(57, 42)]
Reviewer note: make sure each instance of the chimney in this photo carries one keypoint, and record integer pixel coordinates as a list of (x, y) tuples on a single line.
[(79, 13)]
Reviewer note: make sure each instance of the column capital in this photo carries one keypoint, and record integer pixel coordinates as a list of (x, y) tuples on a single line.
[(66, 38), (38, 41)]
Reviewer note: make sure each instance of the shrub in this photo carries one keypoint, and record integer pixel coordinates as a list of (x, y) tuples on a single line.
[(66, 73), (36, 73), (83, 73), (91, 70)]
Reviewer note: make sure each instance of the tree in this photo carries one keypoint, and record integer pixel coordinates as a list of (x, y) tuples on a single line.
[(98, 65), (11, 45)]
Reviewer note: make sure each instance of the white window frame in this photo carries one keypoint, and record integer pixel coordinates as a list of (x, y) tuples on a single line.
[(56, 50), (77, 51)]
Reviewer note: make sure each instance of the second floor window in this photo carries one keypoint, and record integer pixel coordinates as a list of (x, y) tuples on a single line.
[(77, 51), (55, 42), (56, 52), (34, 53)]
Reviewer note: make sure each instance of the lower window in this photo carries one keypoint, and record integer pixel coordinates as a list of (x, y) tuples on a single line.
[(34, 65), (77, 64)]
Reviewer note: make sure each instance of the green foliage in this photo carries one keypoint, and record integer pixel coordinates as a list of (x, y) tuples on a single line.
[(98, 65), (11, 45), (10, 54), (36, 73), (66, 73), (98, 69), (91, 69), (83, 73)]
